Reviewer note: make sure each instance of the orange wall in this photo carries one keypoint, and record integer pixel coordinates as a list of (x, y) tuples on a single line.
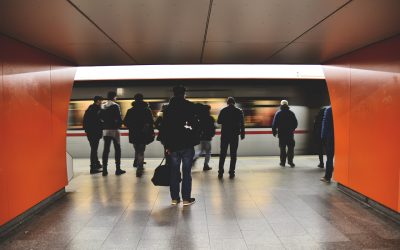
[(364, 88), (35, 90)]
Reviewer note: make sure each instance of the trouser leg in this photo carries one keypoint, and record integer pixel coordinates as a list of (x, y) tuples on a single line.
[(321, 152), (94, 145), (106, 151), (207, 148), (139, 155), (187, 156), (175, 159), (222, 155), (282, 147), (233, 151), (329, 159), (117, 148)]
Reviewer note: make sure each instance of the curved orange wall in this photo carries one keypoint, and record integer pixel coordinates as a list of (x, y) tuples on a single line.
[(364, 88), (35, 89)]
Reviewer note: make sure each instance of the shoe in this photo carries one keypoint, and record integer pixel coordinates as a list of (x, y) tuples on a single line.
[(119, 171), (321, 165), (139, 172), (325, 180), (206, 168), (176, 202), (292, 165), (220, 176), (231, 176), (189, 202), (105, 173), (282, 164), (95, 171)]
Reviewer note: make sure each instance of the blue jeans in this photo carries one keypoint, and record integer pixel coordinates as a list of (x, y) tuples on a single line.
[(186, 157)]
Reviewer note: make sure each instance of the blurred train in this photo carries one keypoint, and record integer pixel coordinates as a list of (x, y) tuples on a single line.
[(259, 100)]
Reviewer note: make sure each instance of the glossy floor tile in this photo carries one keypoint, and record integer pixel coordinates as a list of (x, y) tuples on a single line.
[(264, 207)]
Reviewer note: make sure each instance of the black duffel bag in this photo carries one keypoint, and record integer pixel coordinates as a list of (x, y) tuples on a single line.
[(162, 175)]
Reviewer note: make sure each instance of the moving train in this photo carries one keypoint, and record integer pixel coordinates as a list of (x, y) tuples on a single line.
[(259, 99)]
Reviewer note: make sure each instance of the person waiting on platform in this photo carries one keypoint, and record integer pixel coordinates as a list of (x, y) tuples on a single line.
[(180, 134), (284, 125), (319, 143), (327, 135), (207, 132), (139, 121), (232, 125), (93, 127), (111, 115)]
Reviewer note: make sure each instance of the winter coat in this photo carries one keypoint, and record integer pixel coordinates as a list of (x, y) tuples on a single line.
[(327, 125), (207, 128), (92, 124), (318, 123), (139, 121), (180, 125), (111, 116), (232, 120), (284, 123)]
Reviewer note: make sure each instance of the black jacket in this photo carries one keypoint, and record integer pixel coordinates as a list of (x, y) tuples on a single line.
[(139, 121), (284, 123), (232, 121), (318, 123), (92, 123), (207, 127), (111, 115), (180, 125)]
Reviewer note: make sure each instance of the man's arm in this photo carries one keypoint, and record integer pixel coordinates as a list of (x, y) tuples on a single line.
[(242, 129), (275, 123)]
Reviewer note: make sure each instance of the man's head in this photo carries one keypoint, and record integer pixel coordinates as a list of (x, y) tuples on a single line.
[(284, 102), (112, 96), (230, 101), (97, 100), (179, 91), (138, 97)]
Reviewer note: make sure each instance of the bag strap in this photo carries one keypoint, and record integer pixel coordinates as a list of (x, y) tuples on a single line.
[(162, 161)]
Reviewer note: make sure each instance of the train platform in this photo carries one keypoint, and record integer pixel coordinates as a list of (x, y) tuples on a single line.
[(264, 207)]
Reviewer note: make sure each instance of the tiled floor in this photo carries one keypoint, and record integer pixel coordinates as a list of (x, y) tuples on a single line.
[(265, 207)]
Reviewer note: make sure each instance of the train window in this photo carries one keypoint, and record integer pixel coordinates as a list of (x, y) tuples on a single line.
[(258, 113)]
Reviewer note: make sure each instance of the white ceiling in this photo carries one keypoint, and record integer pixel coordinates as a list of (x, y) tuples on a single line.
[(127, 32)]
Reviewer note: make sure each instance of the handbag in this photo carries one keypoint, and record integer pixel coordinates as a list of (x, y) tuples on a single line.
[(162, 175)]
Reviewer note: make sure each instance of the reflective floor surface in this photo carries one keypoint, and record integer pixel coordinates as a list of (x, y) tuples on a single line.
[(264, 207)]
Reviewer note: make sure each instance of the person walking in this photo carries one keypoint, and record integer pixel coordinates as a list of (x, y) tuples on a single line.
[(111, 116), (139, 121), (284, 125), (231, 119), (319, 143), (180, 127), (327, 135), (93, 127)]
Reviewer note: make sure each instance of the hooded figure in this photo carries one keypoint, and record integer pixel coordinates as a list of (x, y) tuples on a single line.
[(139, 121), (284, 125)]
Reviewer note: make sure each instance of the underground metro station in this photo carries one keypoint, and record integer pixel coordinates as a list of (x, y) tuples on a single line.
[(340, 55)]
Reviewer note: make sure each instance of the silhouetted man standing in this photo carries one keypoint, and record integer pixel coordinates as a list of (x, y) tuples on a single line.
[(139, 121), (232, 121), (92, 125), (180, 127), (111, 115), (284, 125)]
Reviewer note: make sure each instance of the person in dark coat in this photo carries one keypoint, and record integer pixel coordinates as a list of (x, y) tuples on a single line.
[(327, 135), (317, 136), (93, 127), (207, 132), (231, 119), (284, 125), (180, 126), (111, 116), (139, 121)]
